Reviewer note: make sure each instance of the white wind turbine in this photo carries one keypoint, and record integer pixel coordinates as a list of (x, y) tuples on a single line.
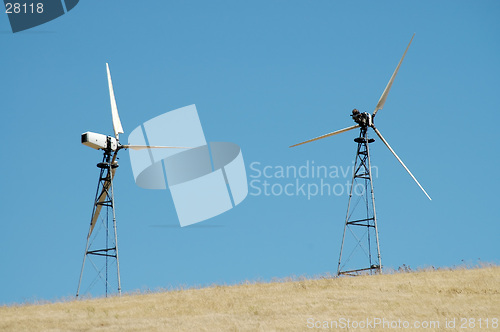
[(362, 172), (110, 145)]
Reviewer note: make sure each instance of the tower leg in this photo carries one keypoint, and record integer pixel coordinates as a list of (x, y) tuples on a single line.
[(116, 239), (360, 236), (83, 266)]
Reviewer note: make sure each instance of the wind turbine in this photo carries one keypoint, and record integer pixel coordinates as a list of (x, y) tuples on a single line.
[(104, 197), (367, 220)]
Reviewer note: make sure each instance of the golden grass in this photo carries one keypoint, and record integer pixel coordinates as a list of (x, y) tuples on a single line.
[(417, 297)]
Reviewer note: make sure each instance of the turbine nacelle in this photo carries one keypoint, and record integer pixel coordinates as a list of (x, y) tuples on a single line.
[(100, 141), (364, 119)]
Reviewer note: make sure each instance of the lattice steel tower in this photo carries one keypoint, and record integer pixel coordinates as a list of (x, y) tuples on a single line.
[(360, 237), (102, 242)]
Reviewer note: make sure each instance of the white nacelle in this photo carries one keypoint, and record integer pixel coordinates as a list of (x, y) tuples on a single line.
[(99, 141)]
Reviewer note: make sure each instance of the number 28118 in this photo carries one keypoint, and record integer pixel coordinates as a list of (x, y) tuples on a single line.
[(17, 8)]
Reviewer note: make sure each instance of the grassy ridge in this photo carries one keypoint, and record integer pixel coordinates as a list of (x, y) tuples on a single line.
[(427, 298)]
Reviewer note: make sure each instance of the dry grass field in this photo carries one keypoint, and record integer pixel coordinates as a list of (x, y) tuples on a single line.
[(424, 300)]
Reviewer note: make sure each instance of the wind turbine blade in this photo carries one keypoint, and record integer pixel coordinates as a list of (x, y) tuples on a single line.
[(400, 161), (383, 98), (117, 125), (141, 147), (327, 135), (102, 197)]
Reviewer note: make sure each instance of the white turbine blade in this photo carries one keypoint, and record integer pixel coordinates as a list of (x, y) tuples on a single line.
[(141, 147), (383, 98), (327, 135), (117, 125), (400, 161)]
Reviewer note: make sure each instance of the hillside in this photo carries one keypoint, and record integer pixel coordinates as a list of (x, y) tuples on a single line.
[(425, 298)]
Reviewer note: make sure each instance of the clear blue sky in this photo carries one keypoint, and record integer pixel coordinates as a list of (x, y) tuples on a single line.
[(264, 75)]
